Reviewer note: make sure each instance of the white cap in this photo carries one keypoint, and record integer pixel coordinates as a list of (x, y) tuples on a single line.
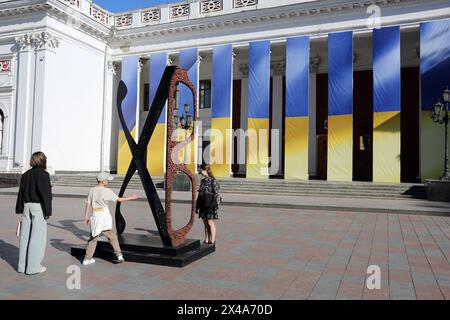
[(102, 176)]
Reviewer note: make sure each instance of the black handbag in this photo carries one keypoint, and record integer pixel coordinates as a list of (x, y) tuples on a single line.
[(207, 200)]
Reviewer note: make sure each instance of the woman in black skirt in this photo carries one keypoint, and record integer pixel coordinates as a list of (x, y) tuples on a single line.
[(208, 203)]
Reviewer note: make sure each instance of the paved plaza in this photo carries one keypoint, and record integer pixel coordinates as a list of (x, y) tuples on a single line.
[(262, 253)]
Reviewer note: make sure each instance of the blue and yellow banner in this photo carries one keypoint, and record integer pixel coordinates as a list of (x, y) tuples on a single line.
[(258, 110), (340, 106), (130, 76), (435, 77), (297, 101), (386, 105), (189, 62), (222, 77), (157, 144)]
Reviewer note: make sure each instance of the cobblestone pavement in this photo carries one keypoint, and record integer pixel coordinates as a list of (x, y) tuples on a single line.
[(262, 253)]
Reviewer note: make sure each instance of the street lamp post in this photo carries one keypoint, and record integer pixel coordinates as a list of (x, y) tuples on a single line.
[(185, 122), (439, 114)]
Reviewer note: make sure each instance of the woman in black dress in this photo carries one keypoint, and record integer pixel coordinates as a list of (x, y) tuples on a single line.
[(208, 203)]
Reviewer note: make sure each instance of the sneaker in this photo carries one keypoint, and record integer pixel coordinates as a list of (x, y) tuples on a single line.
[(43, 270), (119, 259), (88, 262)]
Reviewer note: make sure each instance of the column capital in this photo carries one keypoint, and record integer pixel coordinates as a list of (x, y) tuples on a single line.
[(45, 40), (24, 42)]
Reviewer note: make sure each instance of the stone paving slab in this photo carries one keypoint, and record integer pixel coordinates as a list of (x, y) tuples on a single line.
[(401, 206), (262, 253)]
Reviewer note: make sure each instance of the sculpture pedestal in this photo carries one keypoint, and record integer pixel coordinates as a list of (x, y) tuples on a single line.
[(150, 250), (438, 190)]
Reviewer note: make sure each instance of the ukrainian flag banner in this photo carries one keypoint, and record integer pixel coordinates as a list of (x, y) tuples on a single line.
[(340, 106), (297, 100), (130, 76), (435, 76), (386, 105), (222, 75), (189, 62), (258, 110), (156, 148)]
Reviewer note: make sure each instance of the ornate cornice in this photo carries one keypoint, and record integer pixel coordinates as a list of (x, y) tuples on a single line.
[(247, 18)]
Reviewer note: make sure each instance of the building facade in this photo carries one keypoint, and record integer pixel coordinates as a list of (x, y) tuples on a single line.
[(297, 89)]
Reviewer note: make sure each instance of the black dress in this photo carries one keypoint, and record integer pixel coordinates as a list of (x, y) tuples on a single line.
[(209, 185)]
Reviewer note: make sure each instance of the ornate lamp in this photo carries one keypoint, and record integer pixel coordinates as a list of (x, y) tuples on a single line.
[(439, 114)]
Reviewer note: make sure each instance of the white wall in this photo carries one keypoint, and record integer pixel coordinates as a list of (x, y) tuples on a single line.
[(73, 102)]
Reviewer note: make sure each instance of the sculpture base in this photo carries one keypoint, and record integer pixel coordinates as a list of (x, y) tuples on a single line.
[(150, 250), (438, 190)]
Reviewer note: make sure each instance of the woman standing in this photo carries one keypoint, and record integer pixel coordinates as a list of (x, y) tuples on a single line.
[(208, 203), (34, 202)]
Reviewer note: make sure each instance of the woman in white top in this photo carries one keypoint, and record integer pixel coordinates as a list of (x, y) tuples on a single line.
[(101, 219)]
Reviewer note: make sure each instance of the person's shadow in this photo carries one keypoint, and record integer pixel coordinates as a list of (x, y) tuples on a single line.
[(70, 226), (9, 253)]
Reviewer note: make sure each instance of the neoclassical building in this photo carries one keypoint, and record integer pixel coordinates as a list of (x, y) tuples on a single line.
[(343, 87)]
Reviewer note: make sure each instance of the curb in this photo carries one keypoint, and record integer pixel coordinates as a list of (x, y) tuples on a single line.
[(278, 206)]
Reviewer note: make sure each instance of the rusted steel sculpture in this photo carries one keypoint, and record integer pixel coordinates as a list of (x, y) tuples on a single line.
[(163, 218)]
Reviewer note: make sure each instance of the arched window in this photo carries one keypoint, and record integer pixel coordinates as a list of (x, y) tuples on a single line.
[(2, 118)]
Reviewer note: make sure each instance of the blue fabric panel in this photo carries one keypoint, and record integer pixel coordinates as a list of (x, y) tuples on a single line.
[(130, 78), (386, 69), (158, 63), (434, 60), (259, 79), (189, 62), (222, 75), (297, 77), (340, 73)]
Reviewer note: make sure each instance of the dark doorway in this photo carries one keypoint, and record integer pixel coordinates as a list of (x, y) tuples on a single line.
[(362, 125), (236, 123), (410, 117), (322, 125)]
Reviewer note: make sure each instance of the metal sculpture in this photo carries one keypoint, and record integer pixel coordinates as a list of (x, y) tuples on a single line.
[(163, 218)]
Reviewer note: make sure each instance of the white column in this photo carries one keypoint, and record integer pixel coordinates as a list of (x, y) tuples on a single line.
[(277, 121), (244, 124), (108, 117), (25, 76), (312, 139)]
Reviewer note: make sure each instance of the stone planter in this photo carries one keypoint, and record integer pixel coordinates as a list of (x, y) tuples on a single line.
[(438, 190)]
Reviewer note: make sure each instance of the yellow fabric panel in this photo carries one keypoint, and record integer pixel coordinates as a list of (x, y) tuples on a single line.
[(124, 153), (296, 148), (340, 148), (386, 146), (258, 148), (221, 147), (155, 151), (432, 144)]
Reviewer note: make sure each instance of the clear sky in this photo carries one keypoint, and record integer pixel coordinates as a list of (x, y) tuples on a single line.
[(125, 5)]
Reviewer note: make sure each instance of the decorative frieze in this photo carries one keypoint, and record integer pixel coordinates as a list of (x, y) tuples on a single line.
[(5, 65), (245, 3), (209, 6), (151, 15), (73, 3), (178, 11), (99, 15), (124, 20)]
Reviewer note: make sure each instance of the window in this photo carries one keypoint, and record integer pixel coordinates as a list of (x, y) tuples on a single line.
[(2, 118), (205, 94)]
